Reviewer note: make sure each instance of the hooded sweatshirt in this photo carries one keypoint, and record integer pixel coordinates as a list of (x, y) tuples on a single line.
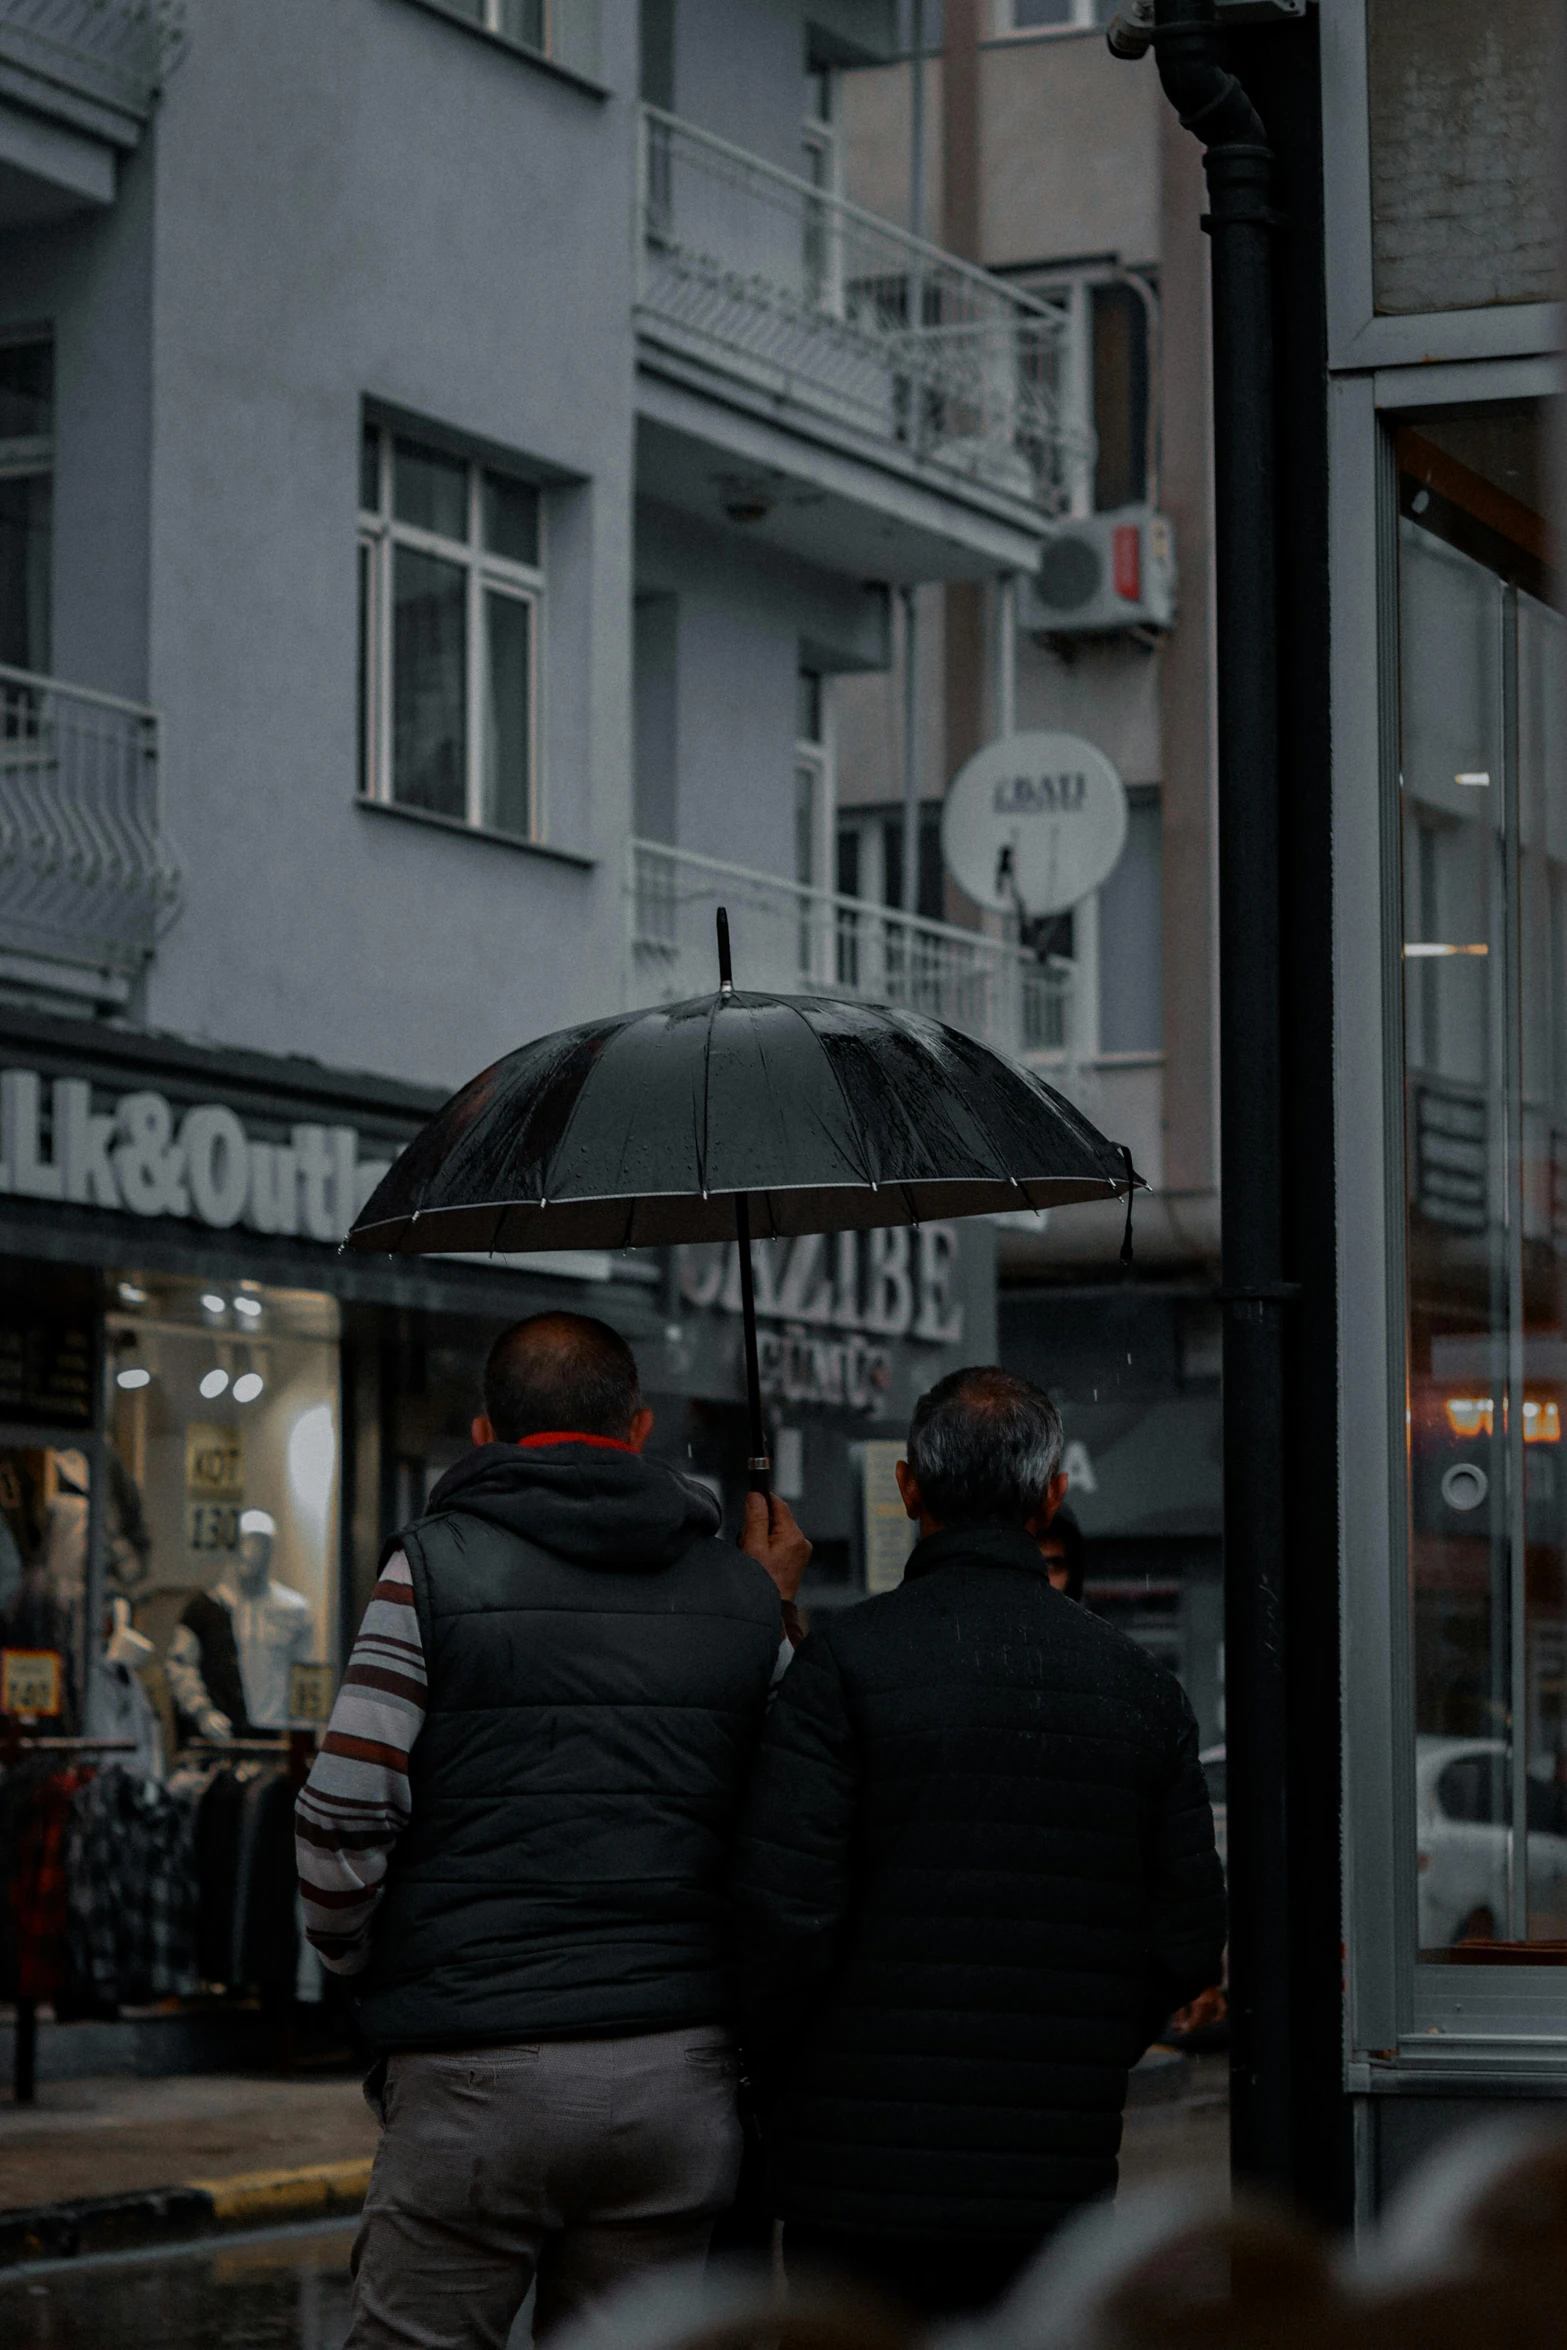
[(593, 1665)]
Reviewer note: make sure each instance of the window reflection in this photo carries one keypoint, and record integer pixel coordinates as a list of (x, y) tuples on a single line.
[(1484, 868)]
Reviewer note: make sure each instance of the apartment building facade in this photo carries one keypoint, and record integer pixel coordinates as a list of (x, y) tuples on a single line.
[(450, 452), (1065, 173)]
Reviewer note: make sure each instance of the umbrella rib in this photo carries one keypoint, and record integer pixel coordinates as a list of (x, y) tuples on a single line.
[(702, 1149), (978, 1115), (865, 1164)]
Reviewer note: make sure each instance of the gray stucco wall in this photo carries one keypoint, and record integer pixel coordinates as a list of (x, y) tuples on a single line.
[(306, 256), (746, 623)]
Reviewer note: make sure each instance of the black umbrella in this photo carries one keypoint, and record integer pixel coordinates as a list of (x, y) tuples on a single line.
[(736, 1116)]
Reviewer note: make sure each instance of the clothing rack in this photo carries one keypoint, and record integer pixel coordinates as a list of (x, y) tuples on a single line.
[(13, 1742)]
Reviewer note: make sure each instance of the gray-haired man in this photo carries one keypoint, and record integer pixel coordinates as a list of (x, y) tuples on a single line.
[(977, 1873)]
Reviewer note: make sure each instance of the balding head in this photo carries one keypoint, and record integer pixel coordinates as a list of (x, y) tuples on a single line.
[(564, 1372)]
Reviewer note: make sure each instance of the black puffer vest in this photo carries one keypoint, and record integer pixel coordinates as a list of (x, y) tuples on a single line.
[(598, 1671)]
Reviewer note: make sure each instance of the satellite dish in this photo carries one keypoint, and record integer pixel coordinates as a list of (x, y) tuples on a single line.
[(1034, 823)]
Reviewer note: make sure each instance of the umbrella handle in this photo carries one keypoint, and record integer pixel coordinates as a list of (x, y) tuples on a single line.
[(759, 1467)]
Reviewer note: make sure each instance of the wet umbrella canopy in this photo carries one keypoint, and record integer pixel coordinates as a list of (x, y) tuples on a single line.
[(735, 1116)]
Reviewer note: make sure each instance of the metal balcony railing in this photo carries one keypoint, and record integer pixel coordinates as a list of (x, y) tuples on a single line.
[(791, 939), (813, 299), (110, 53), (87, 877)]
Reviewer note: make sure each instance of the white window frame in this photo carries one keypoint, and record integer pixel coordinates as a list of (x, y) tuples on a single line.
[(379, 535), (1071, 290), (1084, 18), (31, 457)]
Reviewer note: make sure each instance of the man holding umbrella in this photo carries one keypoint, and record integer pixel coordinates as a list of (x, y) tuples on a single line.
[(515, 1839)]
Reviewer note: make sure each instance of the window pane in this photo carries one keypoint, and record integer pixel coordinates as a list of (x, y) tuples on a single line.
[(1120, 329), (1484, 856), (429, 489), (521, 21), (508, 713), (370, 470), (429, 683), (808, 707), (1131, 939), (24, 571), (511, 518), (363, 769), (1026, 14), (26, 391)]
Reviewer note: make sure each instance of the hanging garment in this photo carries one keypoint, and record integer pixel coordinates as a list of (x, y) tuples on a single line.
[(217, 1862), (39, 1889), (19, 1786), (119, 1707), (130, 1866), (271, 1946)]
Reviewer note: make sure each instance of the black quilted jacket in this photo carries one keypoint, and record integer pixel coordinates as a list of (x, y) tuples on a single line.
[(977, 1872)]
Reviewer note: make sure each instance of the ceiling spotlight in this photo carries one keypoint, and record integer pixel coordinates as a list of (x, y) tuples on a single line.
[(213, 1303), (214, 1383), (248, 1386), (131, 1295), (250, 1307), (135, 1376)]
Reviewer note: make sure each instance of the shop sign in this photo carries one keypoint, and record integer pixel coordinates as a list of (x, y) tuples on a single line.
[(888, 1529), (829, 1307), (143, 1157), (29, 1681), (310, 1693), (214, 1486)]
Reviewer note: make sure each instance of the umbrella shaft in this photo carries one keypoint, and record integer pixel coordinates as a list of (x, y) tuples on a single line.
[(758, 1466)]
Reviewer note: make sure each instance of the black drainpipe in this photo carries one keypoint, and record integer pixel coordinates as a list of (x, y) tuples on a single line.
[(1239, 166)]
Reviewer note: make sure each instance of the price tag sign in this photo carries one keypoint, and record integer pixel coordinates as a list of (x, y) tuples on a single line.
[(889, 1531), (30, 1681), (214, 1462), (310, 1693)]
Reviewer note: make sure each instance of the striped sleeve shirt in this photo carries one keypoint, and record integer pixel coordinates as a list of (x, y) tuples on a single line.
[(355, 1803)]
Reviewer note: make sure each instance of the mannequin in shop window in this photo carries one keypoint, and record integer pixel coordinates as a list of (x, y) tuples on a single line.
[(229, 1660)]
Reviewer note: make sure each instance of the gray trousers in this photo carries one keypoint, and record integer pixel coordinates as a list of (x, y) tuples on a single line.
[(583, 2162)]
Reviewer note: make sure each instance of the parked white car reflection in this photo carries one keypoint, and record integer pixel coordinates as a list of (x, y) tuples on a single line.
[(1462, 1809)]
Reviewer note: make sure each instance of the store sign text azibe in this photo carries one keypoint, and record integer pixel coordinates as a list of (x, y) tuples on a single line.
[(831, 1306), (144, 1157)]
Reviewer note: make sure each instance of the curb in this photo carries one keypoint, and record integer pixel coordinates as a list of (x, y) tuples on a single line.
[(198, 2207)]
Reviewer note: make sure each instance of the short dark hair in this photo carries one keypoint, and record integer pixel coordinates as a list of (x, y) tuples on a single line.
[(564, 1371), (983, 1446)]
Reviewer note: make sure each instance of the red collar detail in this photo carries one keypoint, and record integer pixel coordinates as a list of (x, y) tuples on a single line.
[(572, 1436)]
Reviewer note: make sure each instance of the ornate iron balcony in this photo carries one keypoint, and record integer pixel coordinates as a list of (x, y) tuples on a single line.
[(87, 877), (812, 300)]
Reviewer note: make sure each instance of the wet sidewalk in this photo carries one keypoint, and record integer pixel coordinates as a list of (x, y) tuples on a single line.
[(235, 2149)]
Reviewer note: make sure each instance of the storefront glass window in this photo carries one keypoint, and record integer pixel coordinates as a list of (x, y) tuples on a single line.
[(1484, 887), (223, 1430)]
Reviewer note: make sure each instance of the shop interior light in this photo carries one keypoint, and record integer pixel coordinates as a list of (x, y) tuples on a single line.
[(213, 1303), (1415, 948), (214, 1383), (1473, 1415), (134, 1375), (250, 1307), (131, 1294), (248, 1386)]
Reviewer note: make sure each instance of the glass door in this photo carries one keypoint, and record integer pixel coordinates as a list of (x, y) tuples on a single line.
[(1483, 822)]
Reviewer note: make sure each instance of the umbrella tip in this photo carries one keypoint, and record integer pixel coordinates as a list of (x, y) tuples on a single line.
[(726, 976)]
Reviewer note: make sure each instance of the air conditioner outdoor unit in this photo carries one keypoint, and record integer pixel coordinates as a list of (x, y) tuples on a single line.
[(1104, 573)]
